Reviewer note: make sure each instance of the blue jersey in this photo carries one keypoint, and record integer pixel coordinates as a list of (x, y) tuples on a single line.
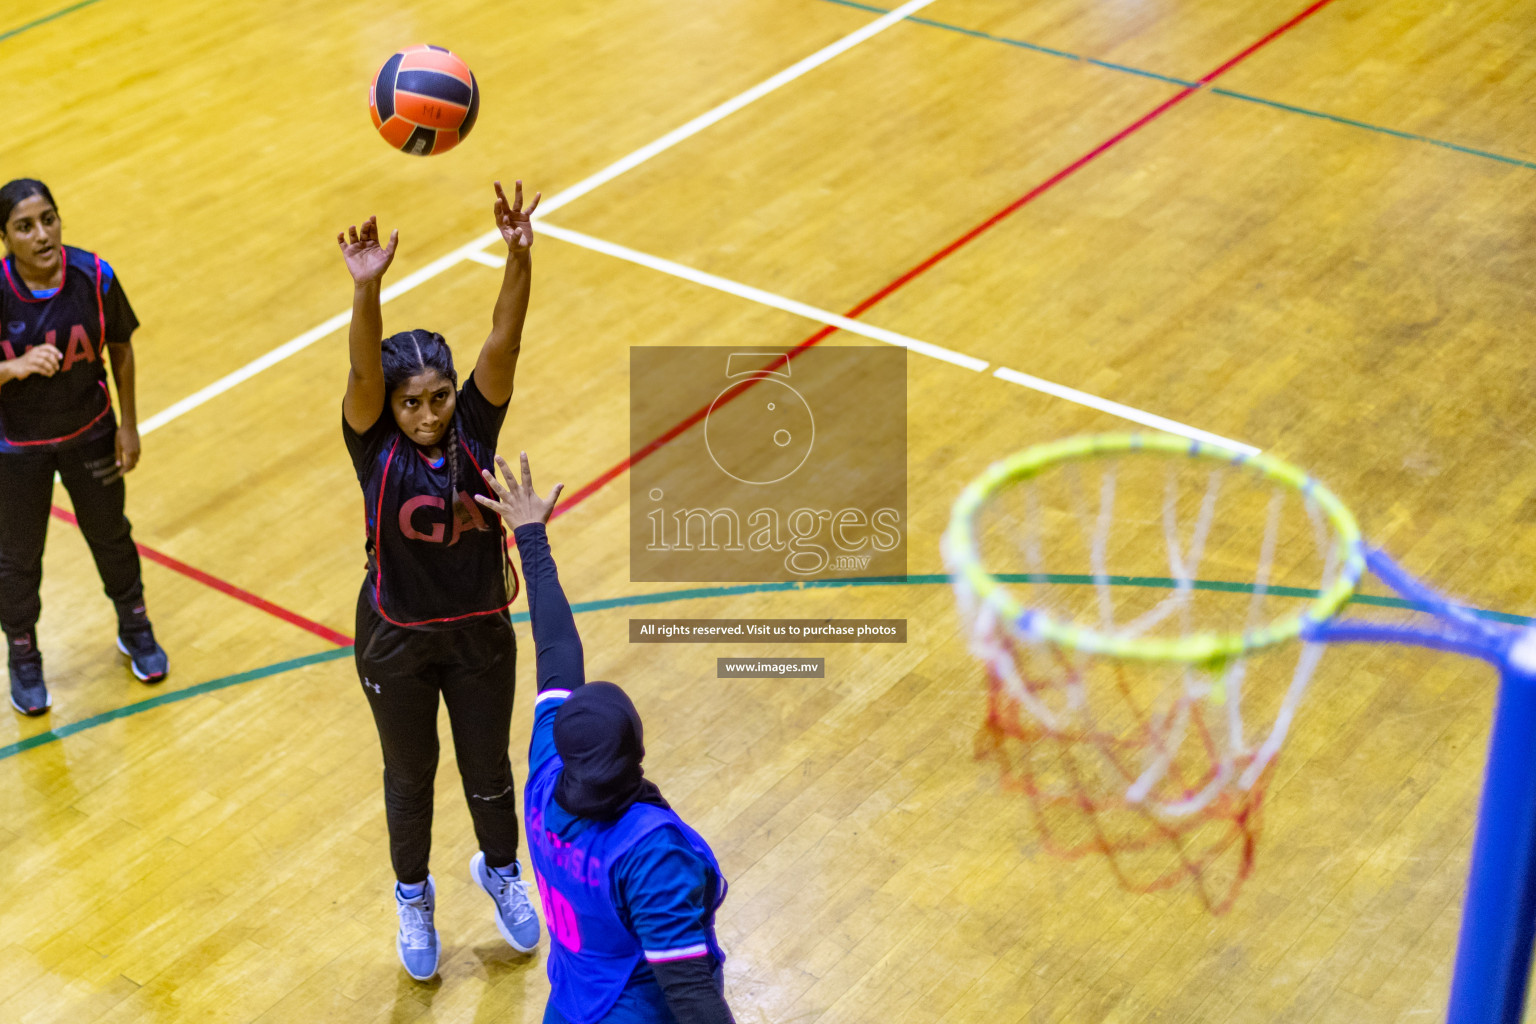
[(80, 318), (617, 896)]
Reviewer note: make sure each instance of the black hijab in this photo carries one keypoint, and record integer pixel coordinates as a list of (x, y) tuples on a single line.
[(599, 739)]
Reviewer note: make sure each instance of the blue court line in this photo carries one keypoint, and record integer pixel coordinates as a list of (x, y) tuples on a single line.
[(45, 19), (1188, 83), (696, 593)]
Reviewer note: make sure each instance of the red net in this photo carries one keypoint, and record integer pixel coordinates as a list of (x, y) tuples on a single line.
[(1157, 762), (1075, 779)]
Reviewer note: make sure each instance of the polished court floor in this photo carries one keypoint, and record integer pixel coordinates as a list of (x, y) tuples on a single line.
[(1302, 228)]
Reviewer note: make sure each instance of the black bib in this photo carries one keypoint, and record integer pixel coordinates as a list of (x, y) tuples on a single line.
[(429, 568), (73, 404)]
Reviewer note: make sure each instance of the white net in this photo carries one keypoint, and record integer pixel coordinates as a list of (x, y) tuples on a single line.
[(1157, 761)]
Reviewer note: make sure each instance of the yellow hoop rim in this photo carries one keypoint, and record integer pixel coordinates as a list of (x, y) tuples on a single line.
[(963, 557)]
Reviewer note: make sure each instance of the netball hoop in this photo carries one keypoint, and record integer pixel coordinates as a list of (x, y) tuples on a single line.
[(1140, 707)]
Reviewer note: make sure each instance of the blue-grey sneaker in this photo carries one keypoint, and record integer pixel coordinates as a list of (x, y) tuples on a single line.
[(145, 656), (29, 694), (417, 942), (515, 918)]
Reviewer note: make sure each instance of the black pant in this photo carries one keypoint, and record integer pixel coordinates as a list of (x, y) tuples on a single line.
[(26, 491), (402, 672)]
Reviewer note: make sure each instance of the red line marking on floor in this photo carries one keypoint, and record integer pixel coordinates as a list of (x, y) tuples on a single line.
[(225, 587), (865, 305), (191, 572)]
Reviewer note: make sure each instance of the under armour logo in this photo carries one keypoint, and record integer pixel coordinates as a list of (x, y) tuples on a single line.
[(16, 327), (372, 686)]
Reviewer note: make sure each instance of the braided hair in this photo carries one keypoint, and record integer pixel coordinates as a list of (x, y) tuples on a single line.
[(408, 353)]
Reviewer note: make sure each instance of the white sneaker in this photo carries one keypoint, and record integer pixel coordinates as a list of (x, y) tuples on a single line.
[(515, 918), (417, 942)]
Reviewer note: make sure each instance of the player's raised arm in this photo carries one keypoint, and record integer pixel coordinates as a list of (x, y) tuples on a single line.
[(367, 261), (555, 640), (498, 358)]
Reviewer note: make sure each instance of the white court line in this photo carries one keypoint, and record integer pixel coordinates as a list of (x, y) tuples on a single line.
[(549, 205), (485, 259), (1125, 412), (1083, 398), (306, 339), (729, 107), (757, 295)]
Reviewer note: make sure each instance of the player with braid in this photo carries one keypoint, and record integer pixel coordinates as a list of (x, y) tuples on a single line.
[(629, 890), (432, 615)]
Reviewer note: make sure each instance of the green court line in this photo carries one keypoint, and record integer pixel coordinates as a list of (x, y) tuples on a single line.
[(698, 593), (171, 698), (1023, 45), (1351, 122), (1187, 83), (1058, 579), (45, 19)]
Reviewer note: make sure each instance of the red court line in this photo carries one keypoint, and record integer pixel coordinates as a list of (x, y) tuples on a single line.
[(1045, 186), (224, 587), (617, 470)]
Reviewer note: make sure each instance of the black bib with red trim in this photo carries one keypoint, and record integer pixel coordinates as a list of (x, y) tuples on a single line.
[(429, 568), (73, 405)]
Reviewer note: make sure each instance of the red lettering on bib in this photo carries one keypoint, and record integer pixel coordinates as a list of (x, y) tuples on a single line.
[(409, 509), (474, 522), (80, 349)]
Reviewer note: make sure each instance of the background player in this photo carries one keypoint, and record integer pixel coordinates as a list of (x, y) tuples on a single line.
[(63, 313), (630, 891), (432, 614)]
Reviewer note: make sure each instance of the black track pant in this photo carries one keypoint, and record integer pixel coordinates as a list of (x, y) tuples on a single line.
[(402, 672), (26, 491)]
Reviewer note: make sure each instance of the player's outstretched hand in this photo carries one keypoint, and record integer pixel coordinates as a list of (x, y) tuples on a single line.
[(366, 259), (514, 222), (518, 503)]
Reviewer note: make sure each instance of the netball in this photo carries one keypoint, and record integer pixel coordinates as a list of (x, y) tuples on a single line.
[(424, 100), (924, 512)]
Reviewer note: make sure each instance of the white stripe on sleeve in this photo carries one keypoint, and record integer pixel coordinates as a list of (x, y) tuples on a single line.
[(680, 953)]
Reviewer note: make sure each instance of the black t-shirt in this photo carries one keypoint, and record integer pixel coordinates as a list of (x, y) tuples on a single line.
[(429, 568), (88, 311)]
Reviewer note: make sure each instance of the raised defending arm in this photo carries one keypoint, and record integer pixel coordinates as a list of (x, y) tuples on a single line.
[(558, 645)]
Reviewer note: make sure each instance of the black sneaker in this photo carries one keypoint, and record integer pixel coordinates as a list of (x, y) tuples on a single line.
[(29, 694), (145, 657)]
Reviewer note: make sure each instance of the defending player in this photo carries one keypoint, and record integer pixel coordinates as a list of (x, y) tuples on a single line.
[(63, 314), (432, 614), (629, 890)]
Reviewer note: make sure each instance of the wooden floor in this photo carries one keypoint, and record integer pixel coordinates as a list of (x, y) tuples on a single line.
[(1326, 253)]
